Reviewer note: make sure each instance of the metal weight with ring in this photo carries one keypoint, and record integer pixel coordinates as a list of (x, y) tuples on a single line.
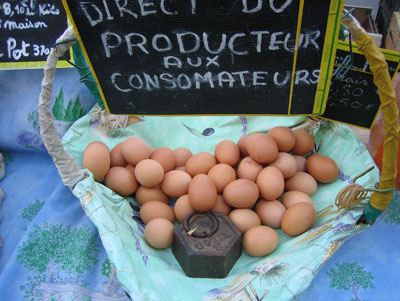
[(192, 231)]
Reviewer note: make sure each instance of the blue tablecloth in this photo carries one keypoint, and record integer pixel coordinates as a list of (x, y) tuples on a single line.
[(51, 250)]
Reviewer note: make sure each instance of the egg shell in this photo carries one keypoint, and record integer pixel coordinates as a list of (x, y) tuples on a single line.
[(260, 241), (121, 181), (244, 219), (241, 193), (159, 233), (291, 198), (261, 148), (298, 219), (242, 146), (135, 149), (131, 168), (322, 168), (149, 172), (117, 159), (200, 163), (165, 156), (152, 150), (221, 205), (227, 151), (270, 212), (271, 183), (182, 154), (202, 193), (97, 159), (222, 174), (248, 168), (284, 138), (176, 183), (302, 181), (144, 194), (154, 209), (180, 168), (301, 162), (286, 163), (182, 208), (304, 142)]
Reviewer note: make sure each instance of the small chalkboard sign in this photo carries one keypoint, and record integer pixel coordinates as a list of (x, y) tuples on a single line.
[(28, 29), (354, 98), (191, 57)]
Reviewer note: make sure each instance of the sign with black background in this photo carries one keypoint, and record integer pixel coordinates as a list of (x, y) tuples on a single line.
[(155, 57), (354, 98), (28, 29)]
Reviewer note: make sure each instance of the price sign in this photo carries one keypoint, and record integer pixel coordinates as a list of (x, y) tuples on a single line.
[(28, 29), (354, 99)]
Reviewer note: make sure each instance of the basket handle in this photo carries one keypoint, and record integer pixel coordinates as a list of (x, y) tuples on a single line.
[(69, 171), (379, 67)]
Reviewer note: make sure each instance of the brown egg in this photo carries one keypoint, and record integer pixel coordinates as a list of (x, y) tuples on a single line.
[(322, 168), (304, 142), (159, 233), (298, 219), (241, 193), (244, 219), (149, 172), (176, 183), (131, 168), (200, 163), (293, 197), (97, 159), (202, 193), (301, 162), (270, 212), (284, 138), (135, 149), (166, 157), (222, 174), (144, 194), (286, 163), (271, 183), (154, 209), (227, 152), (117, 159), (248, 168), (121, 181), (180, 168), (302, 181), (152, 150), (242, 146), (182, 208), (261, 148), (221, 205), (182, 154), (260, 241)]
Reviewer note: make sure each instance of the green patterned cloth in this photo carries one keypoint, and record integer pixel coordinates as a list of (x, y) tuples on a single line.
[(149, 274)]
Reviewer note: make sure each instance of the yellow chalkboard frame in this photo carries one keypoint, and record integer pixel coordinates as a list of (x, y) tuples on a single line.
[(326, 67), (328, 56)]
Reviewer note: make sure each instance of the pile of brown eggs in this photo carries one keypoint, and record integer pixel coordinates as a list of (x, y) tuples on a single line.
[(262, 182)]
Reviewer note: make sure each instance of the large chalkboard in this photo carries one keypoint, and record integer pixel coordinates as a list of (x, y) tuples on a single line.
[(28, 29), (164, 57), (354, 98)]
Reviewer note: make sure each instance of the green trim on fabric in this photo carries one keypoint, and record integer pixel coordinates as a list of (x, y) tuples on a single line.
[(371, 213)]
